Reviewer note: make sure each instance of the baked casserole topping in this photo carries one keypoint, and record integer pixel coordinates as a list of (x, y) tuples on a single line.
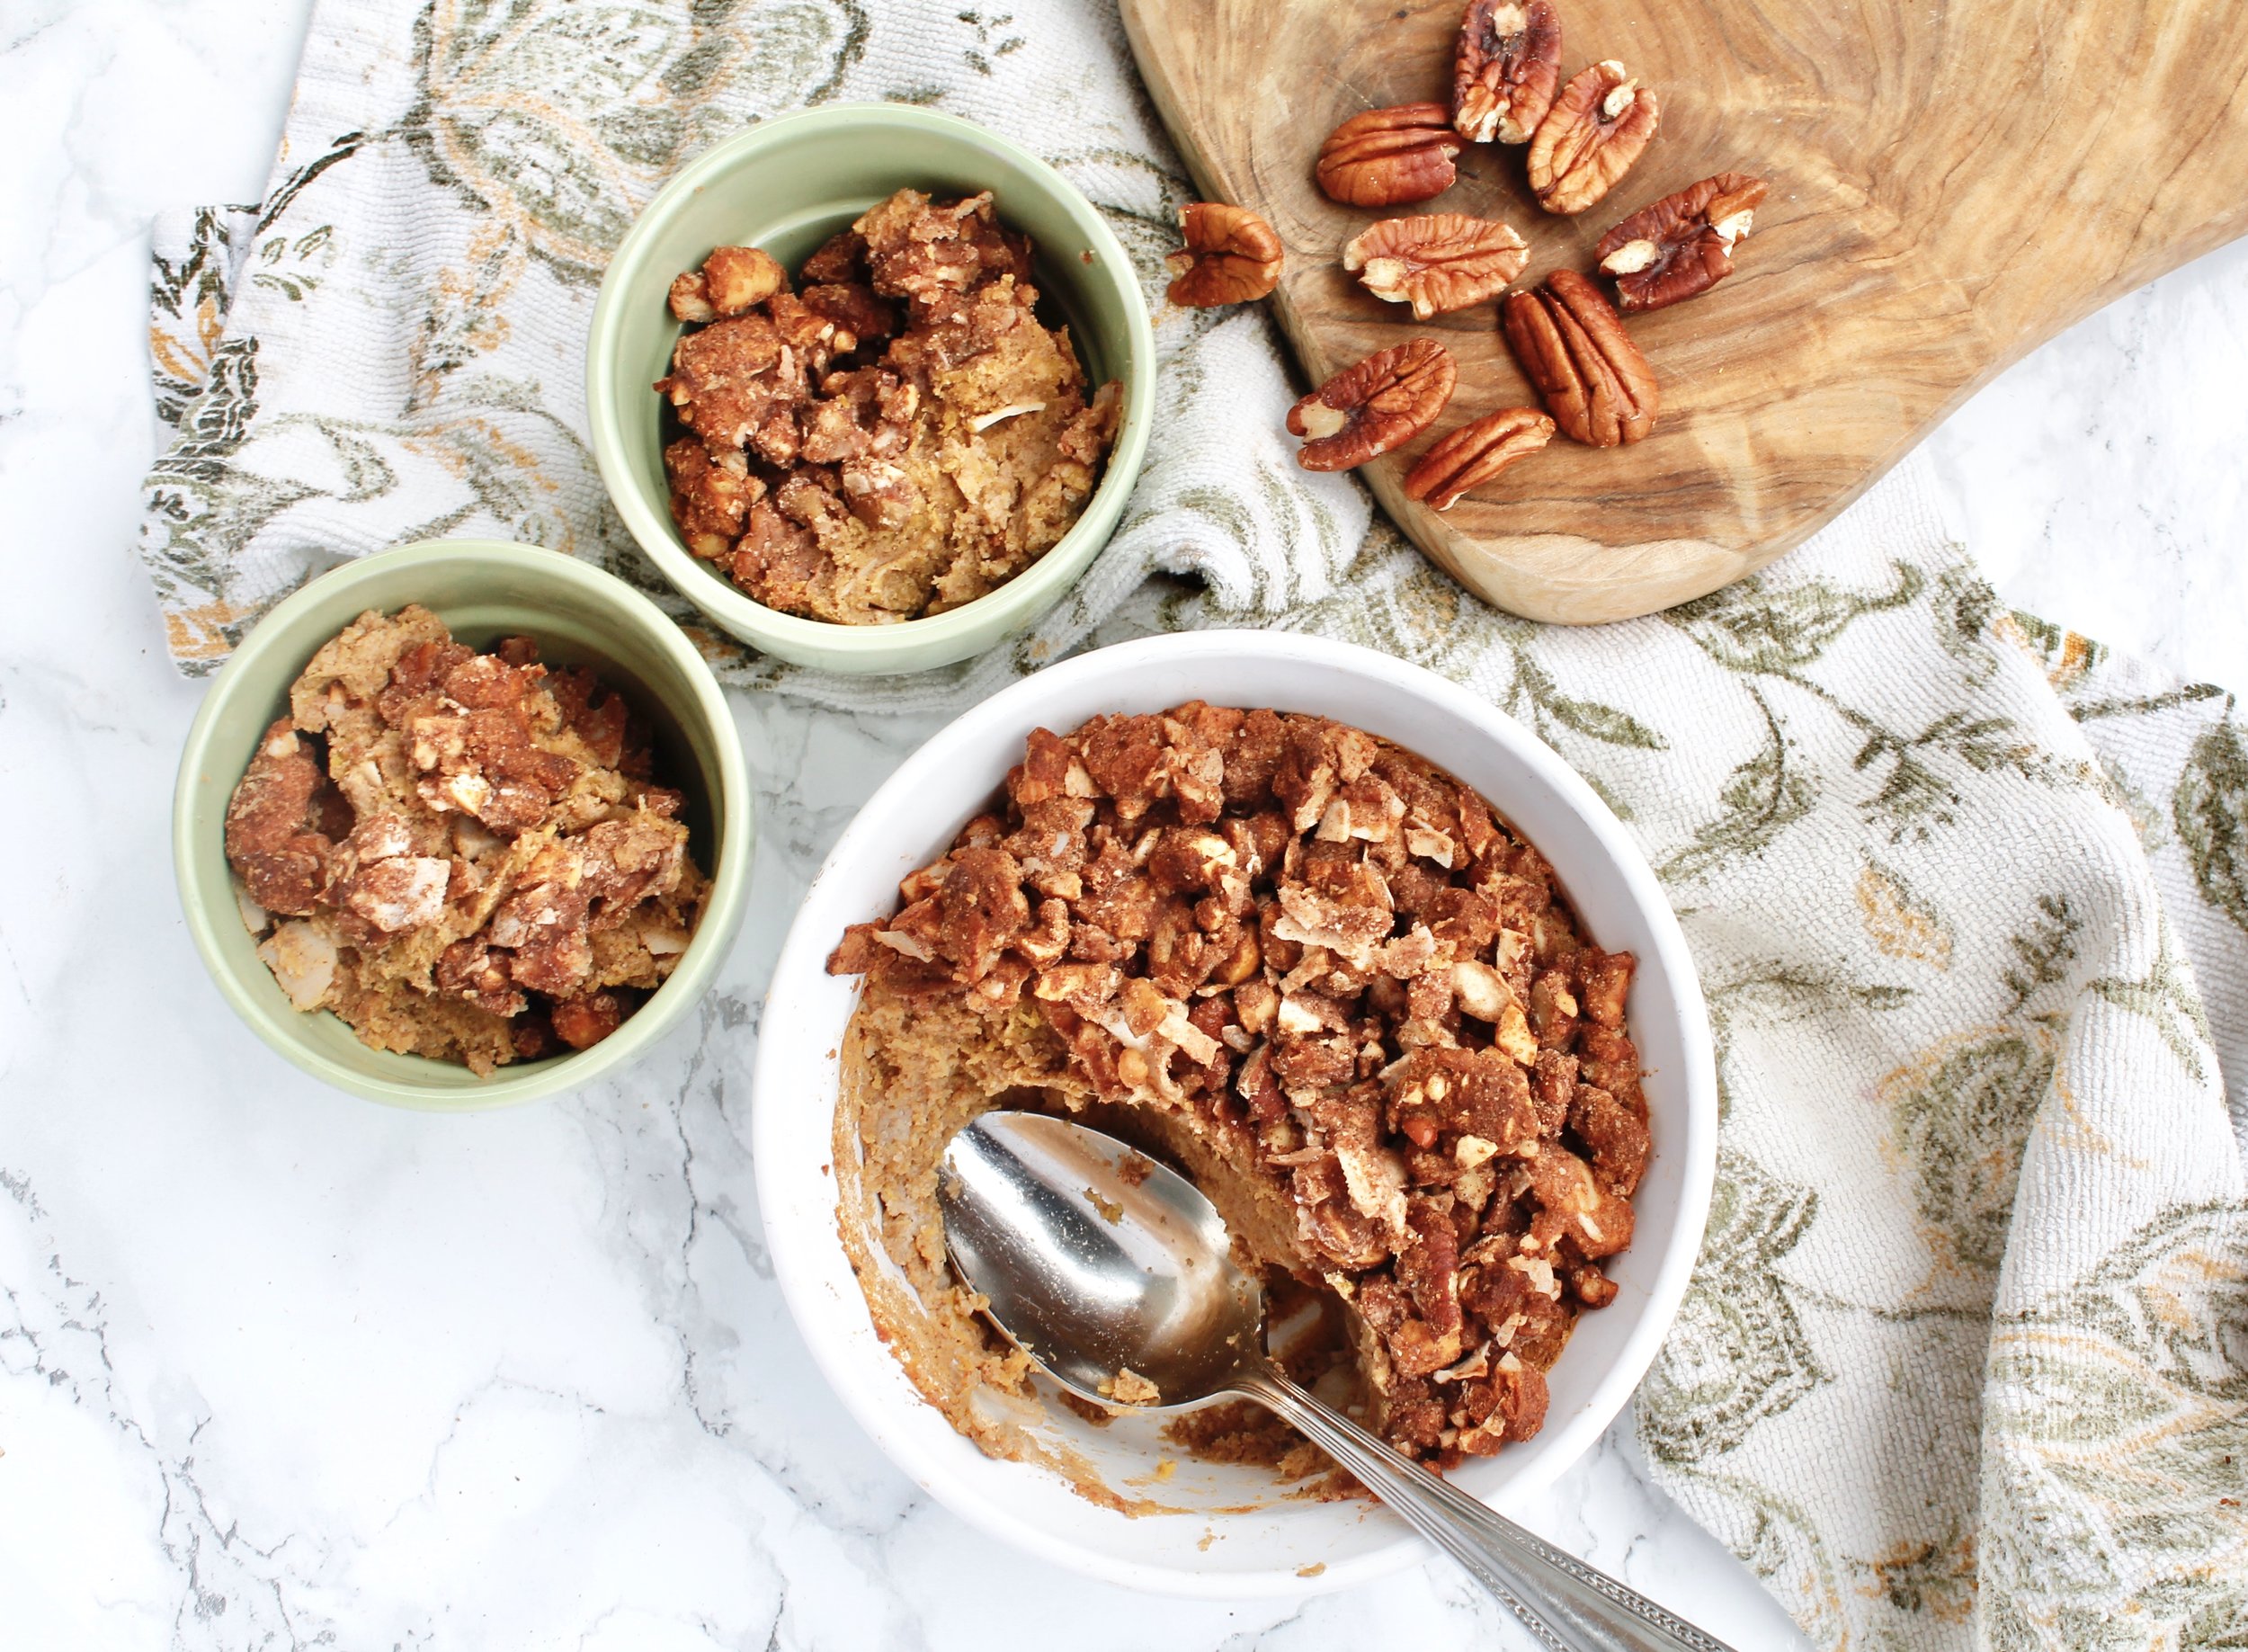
[(898, 435), (464, 856), (1323, 977)]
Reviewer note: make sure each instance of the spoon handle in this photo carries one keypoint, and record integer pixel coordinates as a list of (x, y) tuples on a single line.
[(1569, 1606)]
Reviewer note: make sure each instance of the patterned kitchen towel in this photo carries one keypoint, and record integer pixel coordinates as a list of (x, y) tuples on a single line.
[(1966, 1358)]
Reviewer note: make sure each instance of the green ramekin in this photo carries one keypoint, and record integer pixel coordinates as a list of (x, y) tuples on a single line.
[(786, 185), (483, 589)]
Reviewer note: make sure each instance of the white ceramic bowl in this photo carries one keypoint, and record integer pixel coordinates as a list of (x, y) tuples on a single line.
[(912, 818)]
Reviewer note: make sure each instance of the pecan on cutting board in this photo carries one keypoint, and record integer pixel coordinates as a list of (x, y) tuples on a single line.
[(1436, 260), (1383, 402), (1506, 69), (1572, 346), (1599, 125), (1681, 245), (1232, 257), (1385, 157), (1477, 451)]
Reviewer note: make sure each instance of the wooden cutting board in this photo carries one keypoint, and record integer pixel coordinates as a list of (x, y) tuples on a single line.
[(1953, 181)]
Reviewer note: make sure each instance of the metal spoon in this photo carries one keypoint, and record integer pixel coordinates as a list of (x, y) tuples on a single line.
[(1104, 1265)]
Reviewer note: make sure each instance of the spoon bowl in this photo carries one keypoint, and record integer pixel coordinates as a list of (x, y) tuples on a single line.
[(1097, 1260)]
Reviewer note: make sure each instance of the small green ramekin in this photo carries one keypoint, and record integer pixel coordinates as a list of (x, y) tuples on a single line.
[(483, 589), (786, 185)]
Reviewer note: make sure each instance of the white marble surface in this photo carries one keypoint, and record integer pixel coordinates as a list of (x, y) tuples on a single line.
[(278, 1368)]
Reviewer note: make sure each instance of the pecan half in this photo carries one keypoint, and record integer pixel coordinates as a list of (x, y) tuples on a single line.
[(1232, 257), (1681, 245), (1572, 344), (1504, 72), (1385, 401), (1597, 128), (1474, 453), (1386, 156), (1436, 260)]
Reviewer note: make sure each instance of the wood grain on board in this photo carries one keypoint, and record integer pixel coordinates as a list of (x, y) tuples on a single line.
[(1952, 183)]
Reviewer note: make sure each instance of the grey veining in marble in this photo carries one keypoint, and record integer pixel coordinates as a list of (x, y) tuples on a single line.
[(278, 1368)]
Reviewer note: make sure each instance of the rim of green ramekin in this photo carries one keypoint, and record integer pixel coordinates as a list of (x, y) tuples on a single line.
[(207, 898)]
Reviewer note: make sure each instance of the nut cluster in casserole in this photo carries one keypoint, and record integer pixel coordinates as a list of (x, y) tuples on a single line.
[(1334, 959)]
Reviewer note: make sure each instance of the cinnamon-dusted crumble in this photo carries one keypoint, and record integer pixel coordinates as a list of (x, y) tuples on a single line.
[(1321, 976), (899, 436), (463, 855)]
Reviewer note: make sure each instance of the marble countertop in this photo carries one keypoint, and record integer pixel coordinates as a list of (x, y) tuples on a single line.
[(278, 1368)]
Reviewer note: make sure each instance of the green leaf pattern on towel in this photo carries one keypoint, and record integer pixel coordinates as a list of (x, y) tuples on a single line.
[(2133, 1386), (1739, 1354), (560, 120), (1760, 624), (1762, 797), (1959, 1115), (2210, 809)]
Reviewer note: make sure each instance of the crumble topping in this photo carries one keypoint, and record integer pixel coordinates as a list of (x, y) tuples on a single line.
[(897, 438), (1322, 974), (463, 855)]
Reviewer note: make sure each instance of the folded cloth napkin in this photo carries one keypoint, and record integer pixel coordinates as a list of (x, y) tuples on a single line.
[(1965, 1357)]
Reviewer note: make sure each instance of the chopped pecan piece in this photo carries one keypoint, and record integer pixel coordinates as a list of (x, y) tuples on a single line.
[(1474, 453), (1618, 1137), (735, 278), (1598, 126), (1572, 346), (841, 257), (927, 251), (731, 381), (778, 559), (1509, 1404), (1590, 1286), (1681, 245), (1385, 157), (1506, 69), (584, 1022), (472, 970), (710, 495), (1436, 260), (1232, 257), (1578, 1212), (271, 842), (1383, 402), (691, 299), (860, 317)]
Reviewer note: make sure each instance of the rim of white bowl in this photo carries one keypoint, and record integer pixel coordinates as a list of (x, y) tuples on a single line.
[(854, 1378)]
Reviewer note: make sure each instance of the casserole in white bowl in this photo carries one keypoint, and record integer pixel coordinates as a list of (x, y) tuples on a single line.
[(1238, 1534)]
